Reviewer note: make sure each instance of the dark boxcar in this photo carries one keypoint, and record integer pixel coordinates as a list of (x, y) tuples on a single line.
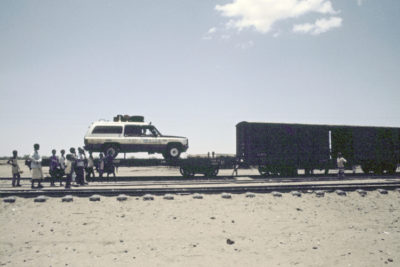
[(376, 149), (278, 148)]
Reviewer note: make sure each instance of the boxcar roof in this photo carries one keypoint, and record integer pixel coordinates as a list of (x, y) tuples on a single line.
[(314, 125)]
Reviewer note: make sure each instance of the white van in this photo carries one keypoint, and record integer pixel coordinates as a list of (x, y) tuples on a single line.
[(132, 134)]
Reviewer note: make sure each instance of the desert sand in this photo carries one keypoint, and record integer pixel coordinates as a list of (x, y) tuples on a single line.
[(261, 231)]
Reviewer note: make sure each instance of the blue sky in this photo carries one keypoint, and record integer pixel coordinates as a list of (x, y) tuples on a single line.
[(194, 68)]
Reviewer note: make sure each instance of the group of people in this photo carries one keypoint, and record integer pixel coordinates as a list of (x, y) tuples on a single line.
[(73, 166)]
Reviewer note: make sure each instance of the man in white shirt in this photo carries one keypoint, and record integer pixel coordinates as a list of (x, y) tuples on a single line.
[(36, 166)]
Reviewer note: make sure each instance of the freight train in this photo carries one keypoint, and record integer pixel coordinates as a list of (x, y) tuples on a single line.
[(275, 148), (282, 149)]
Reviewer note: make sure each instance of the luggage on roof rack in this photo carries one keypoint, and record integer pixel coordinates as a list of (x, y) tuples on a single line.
[(127, 118)]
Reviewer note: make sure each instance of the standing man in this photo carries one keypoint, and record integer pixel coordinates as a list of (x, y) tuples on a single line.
[(101, 165), (36, 166), (80, 167), (340, 164), (90, 165), (73, 159), (62, 165), (15, 169), (109, 164), (54, 168)]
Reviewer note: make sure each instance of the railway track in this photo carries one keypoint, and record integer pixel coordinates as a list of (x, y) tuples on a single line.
[(157, 179), (208, 186)]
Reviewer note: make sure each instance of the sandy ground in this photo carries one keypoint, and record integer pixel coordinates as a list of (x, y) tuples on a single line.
[(262, 231), (267, 231)]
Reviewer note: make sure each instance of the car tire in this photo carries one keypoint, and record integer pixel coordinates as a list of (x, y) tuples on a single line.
[(173, 152)]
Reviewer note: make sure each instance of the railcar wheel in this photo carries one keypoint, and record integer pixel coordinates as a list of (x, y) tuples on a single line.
[(366, 168), (186, 172), (212, 173), (391, 168), (263, 170), (378, 168), (289, 171)]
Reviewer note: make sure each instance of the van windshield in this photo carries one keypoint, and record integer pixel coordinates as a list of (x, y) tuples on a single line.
[(155, 131)]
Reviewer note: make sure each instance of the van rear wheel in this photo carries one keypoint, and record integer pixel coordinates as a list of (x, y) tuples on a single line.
[(112, 150)]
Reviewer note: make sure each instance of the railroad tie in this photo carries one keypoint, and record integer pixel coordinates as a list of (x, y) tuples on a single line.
[(148, 197), (40, 199), (197, 196), (168, 197), (250, 194), (276, 194), (361, 192), (94, 198), (341, 192), (320, 193), (226, 195), (9, 199), (296, 194), (67, 198), (382, 191), (122, 197)]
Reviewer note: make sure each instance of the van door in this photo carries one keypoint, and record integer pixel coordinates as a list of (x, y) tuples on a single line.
[(133, 138)]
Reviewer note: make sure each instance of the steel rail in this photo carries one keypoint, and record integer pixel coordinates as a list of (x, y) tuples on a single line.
[(210, 189)]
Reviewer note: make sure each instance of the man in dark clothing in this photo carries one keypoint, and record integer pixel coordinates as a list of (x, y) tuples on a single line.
[(54, 169), (109, 164)]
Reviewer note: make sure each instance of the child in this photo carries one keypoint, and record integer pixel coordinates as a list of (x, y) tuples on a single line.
[(236, 165), (340, 163), (54, 167), (36, 166), (15, 169)]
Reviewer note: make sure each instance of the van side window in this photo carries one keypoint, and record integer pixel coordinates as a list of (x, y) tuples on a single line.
[(107, 130), (132, 130)]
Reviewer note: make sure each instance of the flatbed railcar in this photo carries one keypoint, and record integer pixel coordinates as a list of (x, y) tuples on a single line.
[(282, 148), (191, 166)]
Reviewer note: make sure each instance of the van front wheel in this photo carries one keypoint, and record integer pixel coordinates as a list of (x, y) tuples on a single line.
[(173, 152)]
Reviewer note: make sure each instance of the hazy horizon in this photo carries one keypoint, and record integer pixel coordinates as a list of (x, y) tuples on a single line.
[(194, 68)]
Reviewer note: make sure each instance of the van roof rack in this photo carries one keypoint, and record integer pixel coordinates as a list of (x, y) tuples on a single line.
[(128, 118)]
